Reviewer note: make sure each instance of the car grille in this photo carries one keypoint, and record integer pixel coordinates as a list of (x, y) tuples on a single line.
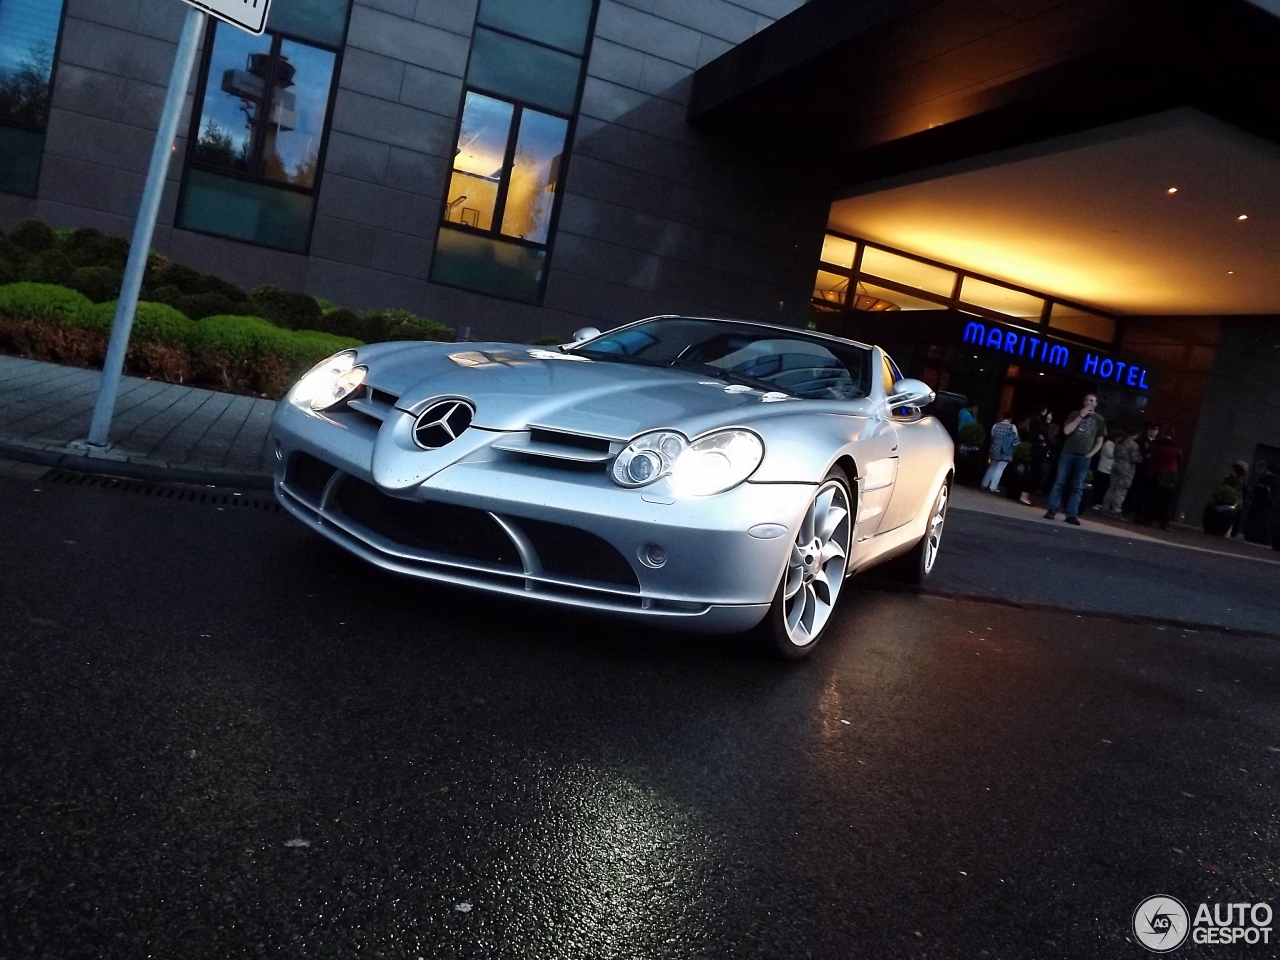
[(431, 528)]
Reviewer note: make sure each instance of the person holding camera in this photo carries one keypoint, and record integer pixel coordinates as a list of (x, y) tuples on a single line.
[(1084, 432)]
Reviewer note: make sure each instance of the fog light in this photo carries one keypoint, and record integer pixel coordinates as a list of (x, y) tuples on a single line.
[(653, 555)]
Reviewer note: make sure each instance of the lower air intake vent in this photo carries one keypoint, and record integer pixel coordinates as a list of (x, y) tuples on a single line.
[(577, 555), (436, 527), (309, 475)]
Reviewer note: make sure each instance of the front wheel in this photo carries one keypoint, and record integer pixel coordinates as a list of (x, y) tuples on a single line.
[(811, 583)]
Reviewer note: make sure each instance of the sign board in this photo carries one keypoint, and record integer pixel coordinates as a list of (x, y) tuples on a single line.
[(248, 15), (1054, 353)]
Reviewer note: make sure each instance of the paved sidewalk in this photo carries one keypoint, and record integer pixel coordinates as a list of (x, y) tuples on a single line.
[(159, 430)]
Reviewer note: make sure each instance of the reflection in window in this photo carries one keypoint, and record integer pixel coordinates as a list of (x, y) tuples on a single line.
[(523, 71), (478, 162), (534, 172), (1082, 323), (28, 39), (1001, 299), (262, 120), (557, 23), (913, 273)]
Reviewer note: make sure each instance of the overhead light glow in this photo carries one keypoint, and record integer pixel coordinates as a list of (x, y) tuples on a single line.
[(1243, 216), (1171, 191)]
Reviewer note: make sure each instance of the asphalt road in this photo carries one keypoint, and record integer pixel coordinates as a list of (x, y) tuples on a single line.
[(220, 739)]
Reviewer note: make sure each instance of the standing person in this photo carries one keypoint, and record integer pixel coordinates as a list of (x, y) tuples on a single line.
[(1238, 478), (1102, 473), (1264, 500), (1123, 470), (1004, 437), (1164, 466), (1040, 430), (1144, 484), (968, 414), (1084, 431)]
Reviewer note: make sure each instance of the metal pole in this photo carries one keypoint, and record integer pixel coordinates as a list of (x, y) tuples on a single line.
[(145, 226)]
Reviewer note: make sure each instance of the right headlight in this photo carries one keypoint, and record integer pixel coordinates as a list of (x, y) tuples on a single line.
[(711, 464), (330, 382)]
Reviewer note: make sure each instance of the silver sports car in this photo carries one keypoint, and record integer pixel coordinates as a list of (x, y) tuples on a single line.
[(702, 474)]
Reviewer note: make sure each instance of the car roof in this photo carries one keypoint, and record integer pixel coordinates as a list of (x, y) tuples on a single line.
[(753, 323)]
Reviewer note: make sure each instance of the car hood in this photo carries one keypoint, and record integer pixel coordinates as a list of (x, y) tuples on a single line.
[(514, 386)]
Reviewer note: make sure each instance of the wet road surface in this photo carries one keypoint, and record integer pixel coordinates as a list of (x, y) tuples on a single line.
[(220, 738)]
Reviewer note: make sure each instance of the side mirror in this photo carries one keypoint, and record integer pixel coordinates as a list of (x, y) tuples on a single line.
[(585, 333), (911, 393)]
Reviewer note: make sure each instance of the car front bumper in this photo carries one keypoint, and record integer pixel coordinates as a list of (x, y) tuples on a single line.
[(509, 525)]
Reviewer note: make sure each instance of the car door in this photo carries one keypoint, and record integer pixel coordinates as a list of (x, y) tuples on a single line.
[(915, 453)]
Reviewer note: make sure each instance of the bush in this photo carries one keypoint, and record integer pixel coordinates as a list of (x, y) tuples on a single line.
[(33, 236), (1022, 452), (152, 323), (8, 273), (12, 254), (45, 302), (415, 328), (201, 305), (293, 311), (84, 247), (49, 266), (97, 283), (188, 280), (548, 341), (252, 353), (973, 434), (1225, 495), (345, 323)]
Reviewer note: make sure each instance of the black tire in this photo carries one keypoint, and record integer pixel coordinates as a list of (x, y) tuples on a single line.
[(915, 568), (773, 633)]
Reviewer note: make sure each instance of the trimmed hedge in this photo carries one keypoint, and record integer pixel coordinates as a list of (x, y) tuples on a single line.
[(45, 302)]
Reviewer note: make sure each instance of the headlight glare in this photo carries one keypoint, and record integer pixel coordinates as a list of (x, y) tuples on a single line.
[(330, 382), (648, 458), (716, 463)]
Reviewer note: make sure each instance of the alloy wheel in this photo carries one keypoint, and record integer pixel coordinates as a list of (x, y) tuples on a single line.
[(815, 569)]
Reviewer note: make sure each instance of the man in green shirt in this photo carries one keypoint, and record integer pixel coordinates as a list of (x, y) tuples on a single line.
[(1085, 432)]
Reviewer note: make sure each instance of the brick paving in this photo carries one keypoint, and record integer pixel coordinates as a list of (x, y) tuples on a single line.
[(46, 408)]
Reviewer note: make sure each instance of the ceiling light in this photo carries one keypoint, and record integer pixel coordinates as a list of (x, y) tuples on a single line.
[(1243, 216), (1171, 191), (1230, 272)]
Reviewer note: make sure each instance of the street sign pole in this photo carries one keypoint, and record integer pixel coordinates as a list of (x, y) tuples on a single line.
[(143, 229)]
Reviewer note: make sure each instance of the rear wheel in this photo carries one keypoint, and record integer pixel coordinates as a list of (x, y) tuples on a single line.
[(811, 584), (915, 567)]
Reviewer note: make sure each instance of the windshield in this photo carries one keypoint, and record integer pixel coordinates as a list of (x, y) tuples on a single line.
[(764, 357)]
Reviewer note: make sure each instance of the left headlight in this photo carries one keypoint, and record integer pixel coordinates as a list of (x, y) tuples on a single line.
[(711, 464), (330, 382)]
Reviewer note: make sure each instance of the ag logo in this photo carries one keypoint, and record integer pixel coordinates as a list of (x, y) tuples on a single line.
[(1161, 924)]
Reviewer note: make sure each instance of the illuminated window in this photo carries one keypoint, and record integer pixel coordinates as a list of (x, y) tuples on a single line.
[(830, 287), (911, 273), (874, 298), (259, 129), (838, 251), (28, 44), (993, 296), (523, 83)]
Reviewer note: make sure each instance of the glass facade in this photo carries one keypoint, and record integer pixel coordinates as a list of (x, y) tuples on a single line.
[(522, 87), (28, 45), (259, 129)]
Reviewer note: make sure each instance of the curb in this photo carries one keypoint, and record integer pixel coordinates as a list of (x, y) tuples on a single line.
[(136, 468)]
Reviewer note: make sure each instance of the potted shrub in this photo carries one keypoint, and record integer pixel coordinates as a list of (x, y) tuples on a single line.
[(1017, 476), (1220, 511), (971, 458)]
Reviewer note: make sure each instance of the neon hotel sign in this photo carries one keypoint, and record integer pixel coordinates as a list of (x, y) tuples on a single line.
[(1076, 359)]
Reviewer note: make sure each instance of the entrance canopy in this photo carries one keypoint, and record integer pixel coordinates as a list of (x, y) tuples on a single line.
[(1120, 153)]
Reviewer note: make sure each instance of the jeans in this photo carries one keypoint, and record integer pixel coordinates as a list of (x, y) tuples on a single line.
[(1072, 469), (991, 480)]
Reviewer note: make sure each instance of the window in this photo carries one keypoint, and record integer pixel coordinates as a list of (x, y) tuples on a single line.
[(28, 49), (522, 88), (258, 133)]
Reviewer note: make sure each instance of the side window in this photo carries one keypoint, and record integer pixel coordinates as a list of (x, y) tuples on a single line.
[(29, 32)]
